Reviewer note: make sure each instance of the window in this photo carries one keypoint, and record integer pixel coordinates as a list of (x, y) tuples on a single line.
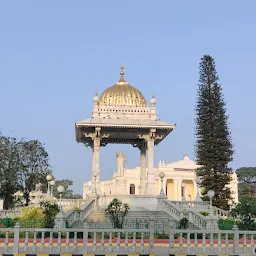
[(132, 189)]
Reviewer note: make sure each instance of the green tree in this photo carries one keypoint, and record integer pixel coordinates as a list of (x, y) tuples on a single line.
[(245, 212), (34, 165), (50, 210), (116, 212), (247, 181), (68, 192), (9, 167), (213, 146)]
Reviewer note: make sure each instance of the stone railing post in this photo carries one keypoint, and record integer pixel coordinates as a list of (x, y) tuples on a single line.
[(212, 221), (235, 240), (160, 201), (172, 227), (59, 221), (151, 235), (85, 238), (16, 238)]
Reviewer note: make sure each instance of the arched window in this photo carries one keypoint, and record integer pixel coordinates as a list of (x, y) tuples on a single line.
[(132, 189)]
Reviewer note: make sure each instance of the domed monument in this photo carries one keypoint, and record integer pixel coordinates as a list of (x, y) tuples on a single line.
[(121, 115)]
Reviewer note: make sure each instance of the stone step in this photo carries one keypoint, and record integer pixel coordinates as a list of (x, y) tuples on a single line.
[(97, 216), (145, 214)]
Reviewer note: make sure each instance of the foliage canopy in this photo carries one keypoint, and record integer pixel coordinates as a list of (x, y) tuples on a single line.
[(213, 148), (116, 211)]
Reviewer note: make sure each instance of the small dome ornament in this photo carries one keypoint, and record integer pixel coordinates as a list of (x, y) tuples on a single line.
[(96, 98), (186, 157), (153, 101), (122, 74)]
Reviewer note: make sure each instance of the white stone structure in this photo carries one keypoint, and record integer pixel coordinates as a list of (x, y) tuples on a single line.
[(121, 116), (176, 174)]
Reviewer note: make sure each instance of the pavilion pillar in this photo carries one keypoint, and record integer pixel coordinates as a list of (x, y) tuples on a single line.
[(96, 139), (175, 191), (96, 158), (143, 174), (150, 190)]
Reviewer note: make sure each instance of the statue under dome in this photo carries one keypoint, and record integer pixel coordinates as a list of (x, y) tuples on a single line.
[(120, 163)]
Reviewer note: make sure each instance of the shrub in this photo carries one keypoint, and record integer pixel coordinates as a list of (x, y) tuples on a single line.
[(116, 212), (183, 223)]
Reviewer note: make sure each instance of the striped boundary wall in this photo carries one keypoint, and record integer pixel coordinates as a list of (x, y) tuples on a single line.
[(179, 254), (66, 254), (118, 254), (203, 254)]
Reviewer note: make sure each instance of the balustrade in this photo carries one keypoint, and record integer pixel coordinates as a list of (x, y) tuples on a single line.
[(123, 241), (76, 241), (9, 213), (200, 221), (203, 206)]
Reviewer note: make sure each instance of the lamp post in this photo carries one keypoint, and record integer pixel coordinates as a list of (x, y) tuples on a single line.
[(48, 178), (60, 190), (230, 203), (52, 183), (183, 187), (161, 176), (198, 181), (211, 194), (94, 190)]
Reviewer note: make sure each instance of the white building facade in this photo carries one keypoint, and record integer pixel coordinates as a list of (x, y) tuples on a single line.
[(179, 181)]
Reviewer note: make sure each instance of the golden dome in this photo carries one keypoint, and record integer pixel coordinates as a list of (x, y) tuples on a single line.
[(122, 94)]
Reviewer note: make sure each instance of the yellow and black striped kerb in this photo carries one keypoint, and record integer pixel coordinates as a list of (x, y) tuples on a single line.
[(63, 254), (200, 254)]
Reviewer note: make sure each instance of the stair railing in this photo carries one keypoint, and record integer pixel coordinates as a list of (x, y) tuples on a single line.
[(81, 215), (199, 220)]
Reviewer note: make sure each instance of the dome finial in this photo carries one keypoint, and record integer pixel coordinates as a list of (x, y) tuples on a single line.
[(186, 156), (153, 100), (122, 74)]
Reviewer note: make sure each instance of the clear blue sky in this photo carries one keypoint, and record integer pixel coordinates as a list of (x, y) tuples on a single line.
[(54, 55)]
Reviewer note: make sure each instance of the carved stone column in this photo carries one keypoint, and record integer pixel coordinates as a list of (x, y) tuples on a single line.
[(175, 192), (96, 157), (151, 190), (195, 190), (96, 140), (150, 140), (177, 189), (143, 174)]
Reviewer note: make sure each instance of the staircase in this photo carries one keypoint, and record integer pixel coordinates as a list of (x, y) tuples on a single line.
[(98, 215), (147, 215), (138, 214)]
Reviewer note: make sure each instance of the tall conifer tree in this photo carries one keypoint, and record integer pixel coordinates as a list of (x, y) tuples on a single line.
[(213, 146)]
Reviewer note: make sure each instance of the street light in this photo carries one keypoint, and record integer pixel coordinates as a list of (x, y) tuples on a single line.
[(48, 178), (183, 187), (211, 194), (52, 183), (230, 203), (198, 181), (60, 190), (95, 175), (161, 176)]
